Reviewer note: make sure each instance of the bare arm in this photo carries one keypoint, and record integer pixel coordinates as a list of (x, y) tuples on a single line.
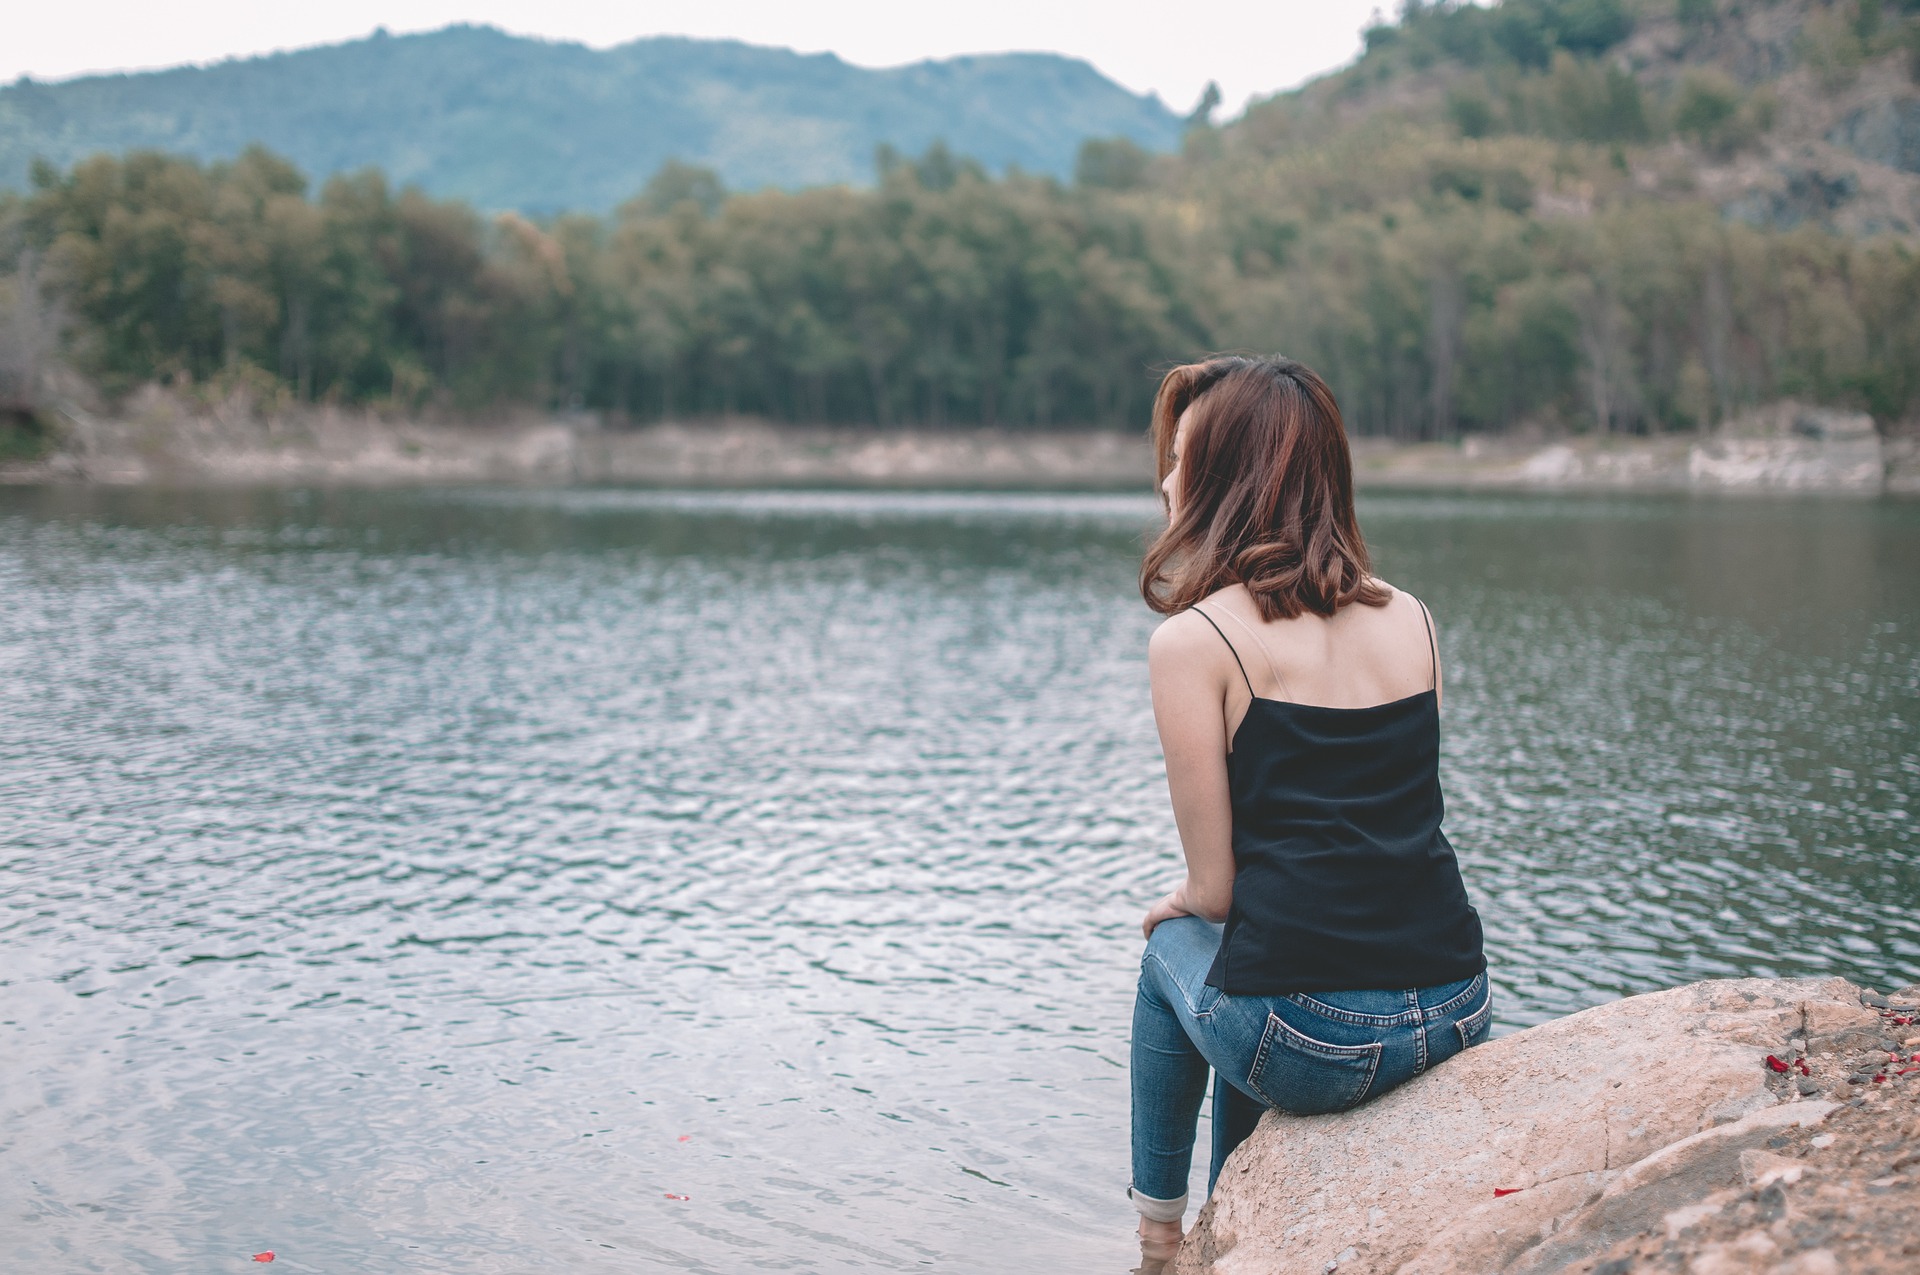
[(1185, 661)]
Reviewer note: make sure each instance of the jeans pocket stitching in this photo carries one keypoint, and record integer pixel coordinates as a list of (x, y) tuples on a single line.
[(1351, 1017), (1470, 1025), (1280, 1030)]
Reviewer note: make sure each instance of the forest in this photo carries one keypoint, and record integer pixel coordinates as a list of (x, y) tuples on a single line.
[(1534, 255)]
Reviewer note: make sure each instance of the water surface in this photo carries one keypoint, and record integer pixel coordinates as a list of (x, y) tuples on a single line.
[(453, 880)]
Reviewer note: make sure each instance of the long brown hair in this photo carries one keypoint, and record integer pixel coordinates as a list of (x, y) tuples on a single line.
[(1265, 492)]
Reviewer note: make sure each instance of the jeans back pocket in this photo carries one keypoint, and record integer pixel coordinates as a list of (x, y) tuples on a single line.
[(1473, 1027), (1306, 1077)]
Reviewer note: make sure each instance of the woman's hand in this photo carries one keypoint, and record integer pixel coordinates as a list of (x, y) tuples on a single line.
[(1175, 904)]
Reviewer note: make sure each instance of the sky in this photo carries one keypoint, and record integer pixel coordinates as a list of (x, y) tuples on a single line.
[(1250, 47)]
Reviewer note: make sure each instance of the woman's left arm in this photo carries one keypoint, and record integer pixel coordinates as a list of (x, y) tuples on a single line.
[(1189, 706)]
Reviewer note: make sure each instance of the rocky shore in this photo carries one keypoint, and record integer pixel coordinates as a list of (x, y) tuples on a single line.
[(1724, 1127), (157, 439)]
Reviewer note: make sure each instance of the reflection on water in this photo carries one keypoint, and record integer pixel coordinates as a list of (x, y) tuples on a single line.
[(457, 879)]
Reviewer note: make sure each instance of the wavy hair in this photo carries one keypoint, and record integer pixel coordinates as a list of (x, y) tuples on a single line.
[(1265, 492)]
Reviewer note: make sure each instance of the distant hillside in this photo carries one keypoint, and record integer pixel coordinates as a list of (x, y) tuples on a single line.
[(1778, 113), (505, 122)]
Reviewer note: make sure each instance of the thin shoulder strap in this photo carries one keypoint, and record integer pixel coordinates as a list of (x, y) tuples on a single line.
[(1230, 647), (1433, 644)]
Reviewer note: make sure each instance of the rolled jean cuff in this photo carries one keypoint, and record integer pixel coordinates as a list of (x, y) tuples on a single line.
[(1159, 1210)]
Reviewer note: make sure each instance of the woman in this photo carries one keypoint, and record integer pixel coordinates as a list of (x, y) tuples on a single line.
[(1321, 950)]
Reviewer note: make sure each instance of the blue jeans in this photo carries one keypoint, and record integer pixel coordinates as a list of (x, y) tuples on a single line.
[(1304, 1054)]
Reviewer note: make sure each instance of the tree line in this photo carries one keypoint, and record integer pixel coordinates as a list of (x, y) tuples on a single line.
[(1470, 272)]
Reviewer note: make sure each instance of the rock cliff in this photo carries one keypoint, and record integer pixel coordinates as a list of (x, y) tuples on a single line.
[(1603, 1135)]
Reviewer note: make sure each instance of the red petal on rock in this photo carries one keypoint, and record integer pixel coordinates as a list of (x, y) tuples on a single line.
[(671, 1196), (686, 1137), (1507, 1190), (1776, 1065), (264, 1257)]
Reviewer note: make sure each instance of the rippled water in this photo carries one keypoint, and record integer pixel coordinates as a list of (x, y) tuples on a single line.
[(451, 881)]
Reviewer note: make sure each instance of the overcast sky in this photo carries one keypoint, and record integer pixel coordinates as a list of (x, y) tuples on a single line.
[(1250, 47)]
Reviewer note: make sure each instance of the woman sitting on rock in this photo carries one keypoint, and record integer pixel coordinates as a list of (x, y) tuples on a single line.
[(1321, 950)]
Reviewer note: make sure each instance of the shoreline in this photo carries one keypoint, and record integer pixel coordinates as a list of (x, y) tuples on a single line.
[(157, 441)]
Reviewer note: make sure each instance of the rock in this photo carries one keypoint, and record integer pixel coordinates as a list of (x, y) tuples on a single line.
[(1850, 1040), (1791, 446), (1884, 133), (1609, 1120), (1873, 999), (1797, 194), (1644, 1193), (1763, 1168), (1823, 1199)]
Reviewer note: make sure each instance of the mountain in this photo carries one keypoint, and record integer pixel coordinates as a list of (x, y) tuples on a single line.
[(508, 122), (1778, 113)]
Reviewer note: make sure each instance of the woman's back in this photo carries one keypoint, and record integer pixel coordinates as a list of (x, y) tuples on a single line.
[(1343, 879), (1356, 658)]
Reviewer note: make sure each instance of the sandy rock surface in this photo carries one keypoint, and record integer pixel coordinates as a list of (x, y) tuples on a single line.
[(1842, 1195), (1550, 1148)]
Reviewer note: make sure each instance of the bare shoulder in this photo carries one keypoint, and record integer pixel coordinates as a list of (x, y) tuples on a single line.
[(1233, 597), (1398, 597), (1180, 636)]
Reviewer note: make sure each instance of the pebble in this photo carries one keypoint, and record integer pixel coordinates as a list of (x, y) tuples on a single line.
[(1874, 1000), (1807, 1086), (1820, 1141)]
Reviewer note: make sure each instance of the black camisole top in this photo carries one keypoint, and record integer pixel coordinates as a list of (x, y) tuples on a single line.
[(1343, 880)]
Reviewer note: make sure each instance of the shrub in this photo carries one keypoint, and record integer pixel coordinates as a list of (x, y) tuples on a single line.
[(1581, 101), (24, 435), (1470, 112), (1111, 163), (1696, 13), (1589, 27), (1503, 185), (1706, 104), (1831, 50), (1710, 110)]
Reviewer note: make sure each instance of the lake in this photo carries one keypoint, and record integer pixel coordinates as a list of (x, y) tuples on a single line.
[(496, 880)]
